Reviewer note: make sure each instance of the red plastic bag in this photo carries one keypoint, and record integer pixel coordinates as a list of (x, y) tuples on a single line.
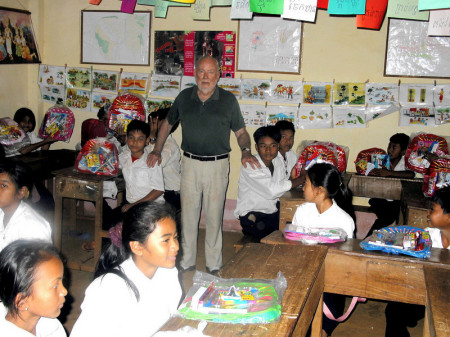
[(364, 157), (437, 177), (422, 143), (317, 151), (98, 156)]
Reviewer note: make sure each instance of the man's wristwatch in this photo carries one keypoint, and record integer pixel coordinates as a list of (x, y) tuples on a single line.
[(245, 149)]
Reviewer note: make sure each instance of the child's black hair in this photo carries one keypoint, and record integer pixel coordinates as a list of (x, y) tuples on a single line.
[(137, 125), (285, 125), (267, 131), (162, 114), (2, 153), (329, 177), (401, 139), (139, 222), (19, 173), (101, 114), (22, 113), (18, 263), (442, 198)]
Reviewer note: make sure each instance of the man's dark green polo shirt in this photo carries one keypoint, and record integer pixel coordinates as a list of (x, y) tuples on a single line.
[(206, 125)]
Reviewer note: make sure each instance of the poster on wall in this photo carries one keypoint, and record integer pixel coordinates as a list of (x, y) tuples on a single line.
[(269, 44), (177, 51), (17, 40)]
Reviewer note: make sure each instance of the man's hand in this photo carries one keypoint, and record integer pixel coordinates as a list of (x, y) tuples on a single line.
[(248, 158), (153, 158)]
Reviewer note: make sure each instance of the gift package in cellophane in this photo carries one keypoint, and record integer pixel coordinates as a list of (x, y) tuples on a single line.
[(237, 301), (420, 145), (319, 152), (124, 109), (364, 157), (98, 156), (314, 235), (437, 177), (10, 132), (58, 123)]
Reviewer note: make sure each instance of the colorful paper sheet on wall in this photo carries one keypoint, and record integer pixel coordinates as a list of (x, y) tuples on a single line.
[(285, 91), (381, 93), (128, 6), (254, 115), (433, 4), (416, 94), (349, 93), (51, 75), (100, 99), (375, 10), (346, 7), (240, 9), (267, 6), (441, 115), (219, 3), (439, 24), (187, 82), (134, 82), (314, 117), (405, 9), (103, 80), (417, 116), (161, 8), (304, 10), (78, 99), (154, 104), (200, 10), (377, 112), (52, 94), (232, 85), (168, 86), (323, 4), (441, 94), (255, 89), (169, 3), (275, 113), (317, 92), (95, 2), (78, 78), (349, 117)]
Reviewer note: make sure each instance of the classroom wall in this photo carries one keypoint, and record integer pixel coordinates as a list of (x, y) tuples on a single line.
[(332, 48)]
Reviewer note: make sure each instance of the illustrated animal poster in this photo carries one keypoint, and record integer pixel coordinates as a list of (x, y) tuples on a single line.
[(349, 117), (314, 117), (317, 93), (255, 89), (154, 104), (441, 94), (378, 111), (134, 82), (52, 94), (103, 80), (232, 85), (78, 78), (275, 113), (411, 94), (187, 82), (254, 114), (417, 115), (349, 93), (51, 75), (285, 91), (442, 115), (100, 99), (381, 93), (165, 85), (78, 99)]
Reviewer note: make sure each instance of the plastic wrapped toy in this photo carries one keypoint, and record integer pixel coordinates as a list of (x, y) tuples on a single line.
[(404, 240), (10, 132), (438, 176), (364, 157), (314, 235), (58, 123), (317, 152), (243, 301), (98, 156), (419, 146), (124, 109)]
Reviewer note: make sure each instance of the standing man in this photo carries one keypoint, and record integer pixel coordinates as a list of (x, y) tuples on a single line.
[(207, 114)]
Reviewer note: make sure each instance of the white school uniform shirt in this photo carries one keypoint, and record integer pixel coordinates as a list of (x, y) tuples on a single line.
[(111, 309), (401, 165), (46, 327), (25, 223), (33, 138), (259, 191), (436, 239), (308, 216), (139, 178), (290, 161)]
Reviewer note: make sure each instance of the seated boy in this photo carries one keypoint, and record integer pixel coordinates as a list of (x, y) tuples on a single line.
[(289, 157), (401, 315), (259, 189)]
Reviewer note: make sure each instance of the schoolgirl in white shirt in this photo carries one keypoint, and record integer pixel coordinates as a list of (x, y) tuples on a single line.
[(136, 289)]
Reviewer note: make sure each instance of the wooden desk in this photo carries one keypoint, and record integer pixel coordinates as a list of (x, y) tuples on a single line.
[(74, 185), (303, 268), (415, 205), (438, 299)]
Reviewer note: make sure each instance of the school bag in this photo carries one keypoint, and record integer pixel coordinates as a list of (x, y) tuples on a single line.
[(58, 123)]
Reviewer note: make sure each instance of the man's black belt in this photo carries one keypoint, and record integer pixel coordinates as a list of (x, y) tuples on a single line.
[(206, 158)]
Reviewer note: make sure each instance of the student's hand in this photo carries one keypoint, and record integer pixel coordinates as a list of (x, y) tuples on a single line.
[(383, 172), (153, 158), (248, 158), (431, 156), (126, 207)]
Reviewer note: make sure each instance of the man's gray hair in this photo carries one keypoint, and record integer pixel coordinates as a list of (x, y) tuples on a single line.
[(207, 57)]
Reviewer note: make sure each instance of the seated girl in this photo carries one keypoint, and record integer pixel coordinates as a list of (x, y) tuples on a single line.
[(136, 287), (31, 290)]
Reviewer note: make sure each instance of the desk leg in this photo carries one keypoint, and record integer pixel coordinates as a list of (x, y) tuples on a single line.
[(427, 324), (98, 226), (57, 230), (316, 326)]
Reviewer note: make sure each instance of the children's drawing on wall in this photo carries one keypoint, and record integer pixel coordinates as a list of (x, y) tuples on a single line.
[(134, 82), (103, 80), (441, 95), (17, 40), (154, 104), (232, 85), (78, 78), (79, 99), (285, 91), (165, 85), (169, 52), (357, 93), (254, 115), (100, 99), (417, 115), (51, 75), (187, 82), (275, 113), (317, 93), (349, 117), (255, 89), (410, 94), (381, 93), (442, 115), (52, 94), (314, 117), (378, 111)]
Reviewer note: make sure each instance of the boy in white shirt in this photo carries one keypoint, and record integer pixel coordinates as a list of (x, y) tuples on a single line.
[(259, 189), (287, 131)]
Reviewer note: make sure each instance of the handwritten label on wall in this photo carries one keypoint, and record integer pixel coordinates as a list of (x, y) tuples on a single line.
[(267, 6), (406, 9), (346, 7), (304, 10)]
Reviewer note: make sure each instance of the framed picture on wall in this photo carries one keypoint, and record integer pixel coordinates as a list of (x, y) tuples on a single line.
[(269, 44), (17, 40), (113, 37)]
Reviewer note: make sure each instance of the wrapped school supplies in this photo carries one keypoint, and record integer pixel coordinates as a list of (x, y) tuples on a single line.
[(124, 109), (98, 156), (10, 132), (421, 144), (317, 152), (364, 157), (314, 235), (438, 176), (404, 240), (244, 301), (58, 123)]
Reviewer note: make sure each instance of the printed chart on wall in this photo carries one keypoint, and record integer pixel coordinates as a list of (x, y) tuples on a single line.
[(411, 52), (269, 44)]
